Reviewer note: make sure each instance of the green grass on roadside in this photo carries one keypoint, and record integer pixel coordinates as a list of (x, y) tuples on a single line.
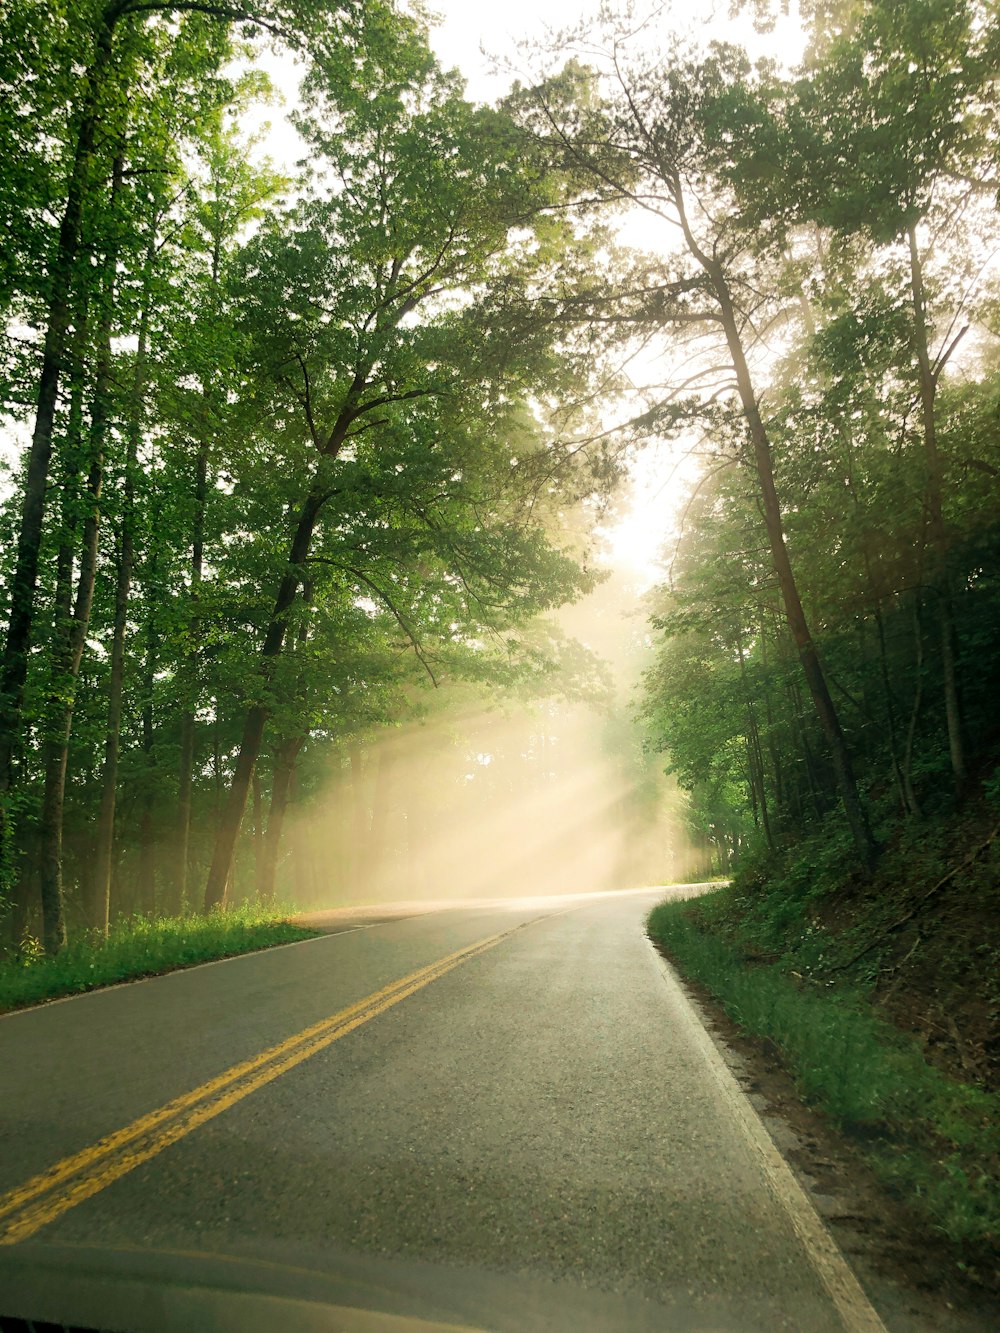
[(140, 947), (931, 1139)]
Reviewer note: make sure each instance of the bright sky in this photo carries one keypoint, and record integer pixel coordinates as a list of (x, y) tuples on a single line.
[(465, 28)]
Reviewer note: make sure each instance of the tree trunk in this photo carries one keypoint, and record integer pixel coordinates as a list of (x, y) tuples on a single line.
[(69, 653), (49, 847), (123, 588), (258, 833), (146, 873), (857, 817), (758, 758), (274, 638), (256, 719), (232, 813), (751, 783), (197, 571), (941, 580), (755, 754), (777, 772), (281, 783), (812, 669), (185, 779), (14, 667), (66, 667), (918, 698), (19, 920), (184, 786), (908, 799), (813, 777)]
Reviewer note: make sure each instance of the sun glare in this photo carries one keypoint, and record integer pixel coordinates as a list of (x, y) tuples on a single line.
[(636, 542)]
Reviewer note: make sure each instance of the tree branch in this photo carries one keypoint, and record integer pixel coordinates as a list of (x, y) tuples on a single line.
[(235, 14), (394, 610)]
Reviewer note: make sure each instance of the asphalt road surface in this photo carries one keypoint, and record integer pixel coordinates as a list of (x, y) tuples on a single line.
[(505, 1117)]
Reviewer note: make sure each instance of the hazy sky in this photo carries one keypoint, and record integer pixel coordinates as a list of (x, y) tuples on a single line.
[(497, 28), (465, 28), (467, 37)]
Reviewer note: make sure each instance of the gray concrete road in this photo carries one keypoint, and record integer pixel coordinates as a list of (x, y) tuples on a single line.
[(537, 1138)]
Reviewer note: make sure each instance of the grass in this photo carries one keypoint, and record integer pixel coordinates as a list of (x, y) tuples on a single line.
[(141, 947), (930, 1138)]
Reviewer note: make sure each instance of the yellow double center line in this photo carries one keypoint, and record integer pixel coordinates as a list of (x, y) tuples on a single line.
[(44, 1197)]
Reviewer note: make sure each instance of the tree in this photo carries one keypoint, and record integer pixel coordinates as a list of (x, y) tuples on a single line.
[(885, 137), (662, 138), (385, 329)]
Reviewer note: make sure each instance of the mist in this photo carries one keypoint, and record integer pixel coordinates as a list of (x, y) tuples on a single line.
[(491, 796)]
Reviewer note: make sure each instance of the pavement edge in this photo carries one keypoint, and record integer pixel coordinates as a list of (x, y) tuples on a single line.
[(856, 1311)]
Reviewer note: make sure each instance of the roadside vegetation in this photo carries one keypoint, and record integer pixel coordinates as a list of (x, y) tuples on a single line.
[(286, 446), (140, 947), (880, 995)]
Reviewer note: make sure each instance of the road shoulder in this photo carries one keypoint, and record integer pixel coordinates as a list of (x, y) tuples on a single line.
[(917, 1289)]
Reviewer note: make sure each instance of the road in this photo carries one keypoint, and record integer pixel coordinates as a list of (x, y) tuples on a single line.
[(528, 1133)]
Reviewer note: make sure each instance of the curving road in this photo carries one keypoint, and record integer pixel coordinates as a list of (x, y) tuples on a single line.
[(504, 1117)]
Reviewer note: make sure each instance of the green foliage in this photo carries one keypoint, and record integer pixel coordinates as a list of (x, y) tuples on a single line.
[(722, 698), (848, 210), (141, 947)]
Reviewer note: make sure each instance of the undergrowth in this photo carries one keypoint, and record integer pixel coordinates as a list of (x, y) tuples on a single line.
[(934, 1140), (140, 946)]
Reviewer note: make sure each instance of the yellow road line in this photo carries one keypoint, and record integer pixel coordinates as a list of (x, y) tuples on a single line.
[(46, 1196)]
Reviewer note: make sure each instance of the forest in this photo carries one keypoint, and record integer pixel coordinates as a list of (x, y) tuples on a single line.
[(291, 446)]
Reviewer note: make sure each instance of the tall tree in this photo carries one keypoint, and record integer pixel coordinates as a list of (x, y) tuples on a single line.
[(71, 635), (662, 139), (389, 331), (886, 136)]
